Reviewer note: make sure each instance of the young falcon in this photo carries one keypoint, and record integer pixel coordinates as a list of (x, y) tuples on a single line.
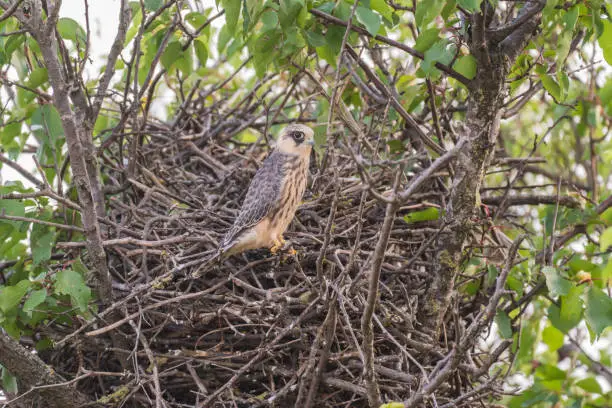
[(273, 195)]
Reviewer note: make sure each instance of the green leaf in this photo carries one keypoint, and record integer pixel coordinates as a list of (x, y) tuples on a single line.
[(439, 52), (225, 35), (197, 20), (41, 243), (14, 208), (527, 339), (426, 11), (10, 296), (201, 51), (427, 38), (38, 76), (557, 285), (554, 315), (69, 282), (69, 29), (293, 37), (470, 5), (288, 12), (333, 38), (429, 214), (9, 382), (598, 310), (269, 20), (247, 137), (504, 324), (153, 5), (550, 372), (605, 240), (232, 12), (10, 133), (382, 8), (263, 51), (171, 55), (35, 298), (315, 39), (570, 18), (466, 66), (571, 306), (564, 83), (369, 19), (47, 124), (396, 146), (605, 41), (590, 384), (551, 86), (553, 337)]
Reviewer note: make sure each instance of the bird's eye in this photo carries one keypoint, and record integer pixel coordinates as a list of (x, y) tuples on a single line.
[(298, 136)]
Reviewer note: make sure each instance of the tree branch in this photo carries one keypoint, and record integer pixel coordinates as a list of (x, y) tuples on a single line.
[(394, 102), (9, 10), (525, 14), (566, 201), (373, 283), (115, 51), (520, 33), (33, 373)]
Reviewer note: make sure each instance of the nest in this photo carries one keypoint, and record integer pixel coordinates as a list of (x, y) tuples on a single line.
[(260, 329)]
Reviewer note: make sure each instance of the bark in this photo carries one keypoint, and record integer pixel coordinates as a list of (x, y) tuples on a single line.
[(82, 179), (35, 375), (77, 133), (495, 57)]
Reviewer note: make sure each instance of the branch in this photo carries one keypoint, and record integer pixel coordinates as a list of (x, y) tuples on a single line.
[(26, 174), (518, 106), (53, 16), (394, 102), (86, 180), (132, 241), (525, 14), (9, 10), (482, 320), (34, 374), (566, 201), (117, 47), (444, 68), (373, 283), (581, 228), (41, 222), (428, 172), (516, 41)]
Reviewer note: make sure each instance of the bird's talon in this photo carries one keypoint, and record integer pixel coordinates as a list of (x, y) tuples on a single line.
[(276, 247)]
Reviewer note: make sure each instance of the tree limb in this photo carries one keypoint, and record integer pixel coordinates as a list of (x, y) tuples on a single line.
[(33, 373)]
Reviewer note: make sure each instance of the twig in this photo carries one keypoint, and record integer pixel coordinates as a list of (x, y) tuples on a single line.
[(41, 222)]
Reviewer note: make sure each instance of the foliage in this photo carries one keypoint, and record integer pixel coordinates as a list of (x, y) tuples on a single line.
[(200, 87)]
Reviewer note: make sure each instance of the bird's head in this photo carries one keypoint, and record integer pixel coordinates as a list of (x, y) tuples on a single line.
[(296, 139)]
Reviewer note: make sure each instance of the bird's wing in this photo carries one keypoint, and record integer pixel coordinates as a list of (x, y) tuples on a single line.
[(264, 191)]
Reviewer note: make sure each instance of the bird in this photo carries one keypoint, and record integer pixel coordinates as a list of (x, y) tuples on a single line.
[(273, 195)]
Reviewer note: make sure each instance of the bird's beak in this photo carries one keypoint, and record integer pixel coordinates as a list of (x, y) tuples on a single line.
[(310, 142)]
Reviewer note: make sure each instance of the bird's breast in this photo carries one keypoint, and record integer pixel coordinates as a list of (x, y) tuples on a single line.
[(292, 190)]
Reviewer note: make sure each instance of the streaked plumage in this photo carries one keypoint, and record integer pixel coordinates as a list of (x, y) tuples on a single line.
[(273, 195)]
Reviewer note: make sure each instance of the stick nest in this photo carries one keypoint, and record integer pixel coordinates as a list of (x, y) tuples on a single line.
[(262, 329)]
